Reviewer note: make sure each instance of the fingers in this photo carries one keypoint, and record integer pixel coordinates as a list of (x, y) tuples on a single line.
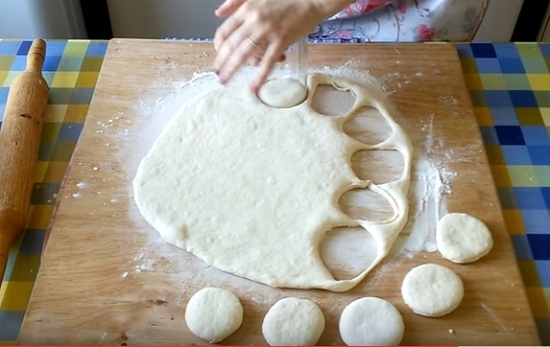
[(229, 44), (232, 55), (226, 30), (255, 59), (237, 44), (272, 55), (244, 38), (232, 60), (228, 7)]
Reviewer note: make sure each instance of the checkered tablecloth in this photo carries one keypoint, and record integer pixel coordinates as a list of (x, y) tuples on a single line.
[(71, 69), (510, 88)]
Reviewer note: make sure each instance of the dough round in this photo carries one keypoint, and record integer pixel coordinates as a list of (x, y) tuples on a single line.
[(432, 290), (213, 314), (462, 238), (371, 321), (282, 92), (293, 321)]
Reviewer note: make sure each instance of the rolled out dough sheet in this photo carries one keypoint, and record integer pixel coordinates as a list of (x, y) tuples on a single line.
[(253, 190)]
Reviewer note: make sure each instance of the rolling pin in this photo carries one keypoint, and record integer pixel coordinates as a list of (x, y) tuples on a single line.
[(19, 142)]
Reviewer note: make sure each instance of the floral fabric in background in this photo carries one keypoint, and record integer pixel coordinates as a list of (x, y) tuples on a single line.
[(403, 21)]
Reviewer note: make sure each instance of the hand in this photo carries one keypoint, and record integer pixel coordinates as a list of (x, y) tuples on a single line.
[(261, 30)]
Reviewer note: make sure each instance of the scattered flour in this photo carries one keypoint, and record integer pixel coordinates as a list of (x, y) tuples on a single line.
[(432, 181), (82, 185)]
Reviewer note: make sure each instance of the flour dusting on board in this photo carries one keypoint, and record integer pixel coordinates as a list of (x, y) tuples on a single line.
[(430, 178), (431, 183)]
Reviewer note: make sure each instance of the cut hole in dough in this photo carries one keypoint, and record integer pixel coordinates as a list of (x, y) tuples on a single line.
[(213, 314), (346, 252), (332, 102), (366, 204), (367, 125), (379, 166), (432, 290), (371, 321), (462, 238), (293, 322), (282, 92)]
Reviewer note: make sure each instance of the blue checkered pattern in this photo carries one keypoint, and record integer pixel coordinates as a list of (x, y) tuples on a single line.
[(510, 89)]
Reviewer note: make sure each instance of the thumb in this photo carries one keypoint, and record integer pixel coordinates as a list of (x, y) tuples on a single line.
[(228, 7)]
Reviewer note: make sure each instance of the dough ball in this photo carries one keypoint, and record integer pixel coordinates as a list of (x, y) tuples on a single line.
[(293, 321), (371, 321), (432, 290), (462, 238), (282, 93), (213, 314)]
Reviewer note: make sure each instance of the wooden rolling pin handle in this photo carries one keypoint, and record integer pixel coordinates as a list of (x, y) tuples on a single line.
[(35, 57), (19, 143)]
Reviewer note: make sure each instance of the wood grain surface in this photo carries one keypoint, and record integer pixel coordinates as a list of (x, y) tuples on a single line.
[(107, 278)]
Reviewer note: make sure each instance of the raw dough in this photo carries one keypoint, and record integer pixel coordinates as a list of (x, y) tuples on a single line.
[(462, 238), (293, 322), (282, 92), (371, 321), (252, 190), (213, 314), (432, 290)]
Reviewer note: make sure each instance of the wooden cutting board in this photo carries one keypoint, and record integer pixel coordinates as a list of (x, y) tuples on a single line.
[(107, 278)]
